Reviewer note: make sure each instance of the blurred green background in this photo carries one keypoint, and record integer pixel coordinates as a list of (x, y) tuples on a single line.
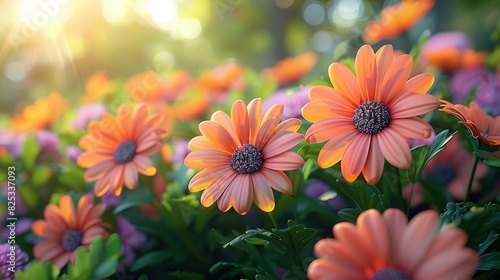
[(54, 45)]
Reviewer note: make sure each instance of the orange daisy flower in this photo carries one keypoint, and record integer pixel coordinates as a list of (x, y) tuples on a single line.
[(367, 117), (291, 69), (97, 87), (396, 19), (115, 150), (40, 115), (388, 247), (65, 228), (220, 80), (244, 156), (151, 87), (481, 125)]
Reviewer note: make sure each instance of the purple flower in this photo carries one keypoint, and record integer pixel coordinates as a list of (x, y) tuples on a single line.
[(12, 142), (49, 143), (486, 84), (317, 188), (86, 113), (293, 101), (72, 152), (488, 94), (110, 199), (464, 81), (181, 149), (444, 40), (130, 238), (12, 259)]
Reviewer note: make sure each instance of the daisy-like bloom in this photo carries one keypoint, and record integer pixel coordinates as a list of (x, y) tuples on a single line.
[(98, 87), (150, 87), (65, 228), (116, 149), (243, 156), (292, 100), (368, 117), (11, 261), (451, 51), (389, 247), (219, 81), (481, 125), (291, 69), (40, 115), (192, 106), (396, 19)]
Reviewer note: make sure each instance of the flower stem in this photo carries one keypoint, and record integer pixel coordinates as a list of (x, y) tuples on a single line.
[(471, 178), (409, 199), (275, 223)]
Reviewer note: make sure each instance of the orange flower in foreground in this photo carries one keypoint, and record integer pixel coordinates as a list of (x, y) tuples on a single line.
[(291, 69), (40, 115), (97, 87), (481, 125), (388, 247), (396, 19), (66, 228), (367, 117), (117, 149), (243, 156)]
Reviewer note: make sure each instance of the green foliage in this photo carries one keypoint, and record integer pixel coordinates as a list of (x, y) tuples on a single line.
[(423, 154), (30, 151), (39, 271), (99, 262), (287, 247)]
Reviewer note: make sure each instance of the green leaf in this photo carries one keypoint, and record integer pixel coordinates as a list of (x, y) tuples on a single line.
[(260, 234), (415, 51), (30, 151), (489, 261), (41, 175), (424, 155), (100, 261), (489, 158), (418, 160), (350, 214), (151, 259), (39, 271), (309, 166), (134, 198), (184, 275)]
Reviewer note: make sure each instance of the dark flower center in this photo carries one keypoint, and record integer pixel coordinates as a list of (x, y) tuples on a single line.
[(247, 159), (71, 240), (389, 274), (125, 152), (444, 173), (371, 117)]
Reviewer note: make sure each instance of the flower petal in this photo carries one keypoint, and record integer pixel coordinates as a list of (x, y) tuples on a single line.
[(263, 194), (345, 83), (240, 120), (394, 148), (411, 105), (205, 158), (355, 155), (374, 167), (413, 127), (366, 71), (332, 151), (284, 161), (278, 180)]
